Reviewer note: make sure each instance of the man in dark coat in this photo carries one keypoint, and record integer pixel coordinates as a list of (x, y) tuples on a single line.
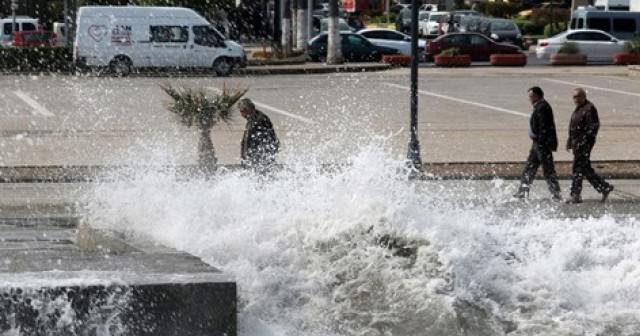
[(259, 144), (542, 132), (583, 130)]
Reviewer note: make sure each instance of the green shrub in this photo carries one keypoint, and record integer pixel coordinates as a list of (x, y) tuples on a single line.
[(551, 30), (544, 16), (499, 9), (450, 52), (569, 48), (531, 28), (632, 46), (41, 59)]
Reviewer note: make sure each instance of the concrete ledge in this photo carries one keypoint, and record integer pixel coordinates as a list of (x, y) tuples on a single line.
[(624, 169), (634, 70), (58, 279)]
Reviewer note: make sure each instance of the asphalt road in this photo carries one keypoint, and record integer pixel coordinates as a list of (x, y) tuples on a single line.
[(478, 114)]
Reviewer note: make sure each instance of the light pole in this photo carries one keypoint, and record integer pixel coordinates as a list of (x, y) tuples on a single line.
[(413, 153), (14, 8)]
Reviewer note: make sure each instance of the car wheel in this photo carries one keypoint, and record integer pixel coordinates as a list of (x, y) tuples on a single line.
[(222, 67), (120, 66)]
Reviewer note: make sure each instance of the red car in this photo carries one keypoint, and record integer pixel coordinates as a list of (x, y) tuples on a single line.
[(34, 38), (478, 46)]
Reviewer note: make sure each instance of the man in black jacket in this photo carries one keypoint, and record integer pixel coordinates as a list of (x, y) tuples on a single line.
[(583, 130), (542, 131), (259, 144)]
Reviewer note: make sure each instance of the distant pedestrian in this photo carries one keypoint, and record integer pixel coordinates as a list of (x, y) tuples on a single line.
[(259, 144), (583, 130), (542, 132)]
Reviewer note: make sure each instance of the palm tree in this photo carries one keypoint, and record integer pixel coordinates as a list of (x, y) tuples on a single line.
[(301, 26), (334, 50), (197, 108)]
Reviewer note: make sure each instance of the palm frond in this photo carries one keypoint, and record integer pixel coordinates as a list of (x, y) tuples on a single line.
[(195, 107)]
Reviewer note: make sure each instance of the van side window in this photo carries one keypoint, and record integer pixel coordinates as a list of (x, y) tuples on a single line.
[(599, 23), (573, 24), (624, 25), (581, 23), (174, 34), (28, 26)]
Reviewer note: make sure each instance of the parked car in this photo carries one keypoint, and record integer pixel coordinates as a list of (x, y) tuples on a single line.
[(476, 45), (391, 39), (504, 30), (33, 38), (355, 48), (430, 23), (597, 45), (127, 37), (23, 23), (61, 34)]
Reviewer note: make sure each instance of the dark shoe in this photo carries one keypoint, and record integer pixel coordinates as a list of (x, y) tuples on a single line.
[(522, 194), (605, 193), (574, 199), (556, 198)]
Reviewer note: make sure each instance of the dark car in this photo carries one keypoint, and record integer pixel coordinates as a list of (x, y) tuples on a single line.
[(355, 48), (503, 30), (476, 45)]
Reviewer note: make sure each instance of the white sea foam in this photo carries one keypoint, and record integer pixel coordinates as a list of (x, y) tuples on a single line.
[(362, 251)]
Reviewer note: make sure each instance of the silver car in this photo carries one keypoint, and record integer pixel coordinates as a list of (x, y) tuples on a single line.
[(597, 45), (392, 39)]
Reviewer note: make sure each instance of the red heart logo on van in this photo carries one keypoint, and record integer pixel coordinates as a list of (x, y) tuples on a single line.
[(97, 32)]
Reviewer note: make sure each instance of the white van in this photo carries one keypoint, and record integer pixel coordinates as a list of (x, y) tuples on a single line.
[(127, 37), (22, 23)]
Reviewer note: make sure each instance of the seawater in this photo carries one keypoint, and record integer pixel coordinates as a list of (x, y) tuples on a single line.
[(363, 251)]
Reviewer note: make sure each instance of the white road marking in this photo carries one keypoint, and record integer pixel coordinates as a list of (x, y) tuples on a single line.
[(284, 113), (37, 108), (592, 87), (463, 101), (276, 110)]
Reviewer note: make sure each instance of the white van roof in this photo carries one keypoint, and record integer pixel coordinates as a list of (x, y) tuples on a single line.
[(139, 11)]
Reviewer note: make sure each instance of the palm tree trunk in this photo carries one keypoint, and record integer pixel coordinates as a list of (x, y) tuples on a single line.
[(286, 29), (206, 152), (334, 50), (302, 25)]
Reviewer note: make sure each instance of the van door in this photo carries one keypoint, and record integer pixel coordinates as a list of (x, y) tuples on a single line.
[(168, 45), (206, 45)]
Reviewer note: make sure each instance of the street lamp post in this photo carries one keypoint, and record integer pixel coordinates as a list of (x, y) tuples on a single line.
[(14, 8), (413, 153)]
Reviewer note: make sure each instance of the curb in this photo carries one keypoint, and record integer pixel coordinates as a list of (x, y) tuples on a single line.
[(629, 169), (249, 71)]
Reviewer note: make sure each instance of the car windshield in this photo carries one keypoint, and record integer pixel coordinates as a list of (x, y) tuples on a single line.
[(503, 25), (423, 16), (435, 17)]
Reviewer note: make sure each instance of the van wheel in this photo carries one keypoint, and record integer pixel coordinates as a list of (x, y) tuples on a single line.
[(223, 67), (120, 67)]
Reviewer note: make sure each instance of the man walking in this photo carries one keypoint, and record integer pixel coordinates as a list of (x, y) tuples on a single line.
[(542, 132), (583, 130), (259, 144)]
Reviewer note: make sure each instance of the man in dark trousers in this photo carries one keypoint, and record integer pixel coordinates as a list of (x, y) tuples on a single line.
[(259, 144), (583, 130), (542, 131)]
